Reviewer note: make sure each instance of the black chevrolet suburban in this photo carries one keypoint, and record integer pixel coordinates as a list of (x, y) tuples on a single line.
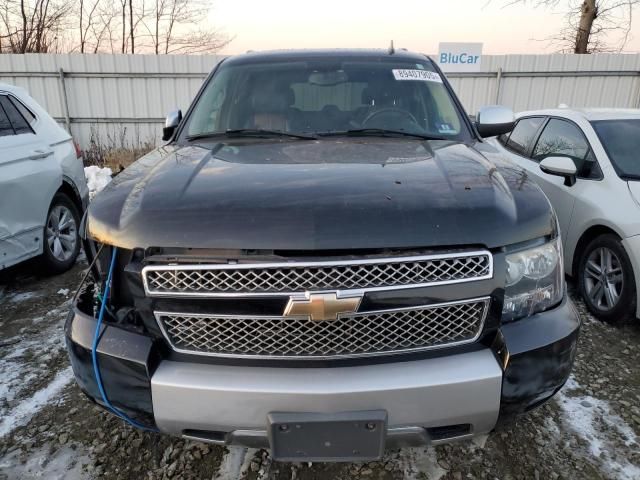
[(325, 259)]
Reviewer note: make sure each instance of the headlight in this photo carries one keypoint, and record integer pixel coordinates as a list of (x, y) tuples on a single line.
[(534, 280)]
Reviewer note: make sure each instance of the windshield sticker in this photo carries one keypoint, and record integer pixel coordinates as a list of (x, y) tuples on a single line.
[(421, 75), (446, 128)]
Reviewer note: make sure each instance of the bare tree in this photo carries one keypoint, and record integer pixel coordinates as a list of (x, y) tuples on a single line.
[(27, 27), (588, 14), (87, 22), (102, 29), (592, 26), (126, 26), (198, 41), (131, 27), (176, 28)]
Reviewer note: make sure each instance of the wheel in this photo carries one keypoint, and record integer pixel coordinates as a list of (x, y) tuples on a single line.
[(606, 281), (61, 241)]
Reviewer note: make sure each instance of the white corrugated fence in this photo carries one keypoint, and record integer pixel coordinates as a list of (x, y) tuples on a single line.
[(121, 100), (115, 100)]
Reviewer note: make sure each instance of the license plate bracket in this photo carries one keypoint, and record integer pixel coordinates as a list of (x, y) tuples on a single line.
[(327, 437)]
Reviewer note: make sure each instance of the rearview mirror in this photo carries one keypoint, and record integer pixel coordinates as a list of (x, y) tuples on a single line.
[(561, 167), (494, 120), (170, 124), (326, 79)]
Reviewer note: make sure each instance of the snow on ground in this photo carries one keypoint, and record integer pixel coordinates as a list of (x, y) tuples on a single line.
[(26, 361), (587, 416), (236, 463), (23, 297), (25, 410), (63, 464), (97, 178), (418, 463)]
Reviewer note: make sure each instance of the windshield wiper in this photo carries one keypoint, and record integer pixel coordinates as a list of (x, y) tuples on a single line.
[(251, 132), (380, 132)]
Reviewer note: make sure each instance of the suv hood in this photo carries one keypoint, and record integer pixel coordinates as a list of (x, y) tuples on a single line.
[(320, 195)]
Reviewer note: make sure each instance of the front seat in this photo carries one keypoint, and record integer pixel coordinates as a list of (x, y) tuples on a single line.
[(269, 110)]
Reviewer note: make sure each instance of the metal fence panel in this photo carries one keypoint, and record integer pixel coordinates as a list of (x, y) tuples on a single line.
[(113, 100), (121, 100), (542, 81)]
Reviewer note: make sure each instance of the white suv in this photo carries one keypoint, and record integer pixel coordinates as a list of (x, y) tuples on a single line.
[(588, 164), (43, 191)]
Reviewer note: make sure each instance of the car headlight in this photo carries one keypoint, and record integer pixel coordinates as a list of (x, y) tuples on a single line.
[(534, 280)]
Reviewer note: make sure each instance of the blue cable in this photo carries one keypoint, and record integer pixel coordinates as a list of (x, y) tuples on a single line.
[(94, 352)]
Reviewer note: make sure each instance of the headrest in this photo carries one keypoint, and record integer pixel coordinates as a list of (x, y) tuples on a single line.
[(272, 101)]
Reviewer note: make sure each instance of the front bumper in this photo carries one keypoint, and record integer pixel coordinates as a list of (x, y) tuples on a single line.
[(455, 390), (429, 400)]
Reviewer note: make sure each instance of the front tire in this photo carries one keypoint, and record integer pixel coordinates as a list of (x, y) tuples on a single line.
[(606, 281), (61, 240)]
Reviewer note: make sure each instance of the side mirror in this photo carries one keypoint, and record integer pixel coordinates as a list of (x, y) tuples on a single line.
[(561, 167), (170, 124), (494, 120)]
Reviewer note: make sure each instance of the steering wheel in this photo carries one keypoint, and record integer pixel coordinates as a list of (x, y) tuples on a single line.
[(389, 110)]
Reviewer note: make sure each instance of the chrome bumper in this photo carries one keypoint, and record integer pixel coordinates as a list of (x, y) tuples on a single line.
[(454, 390)]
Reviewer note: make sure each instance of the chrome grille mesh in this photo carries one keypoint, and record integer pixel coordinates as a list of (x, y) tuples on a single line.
[(416, 328), (285, 278)]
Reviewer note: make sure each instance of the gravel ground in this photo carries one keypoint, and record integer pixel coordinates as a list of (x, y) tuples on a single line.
[(48, 429)]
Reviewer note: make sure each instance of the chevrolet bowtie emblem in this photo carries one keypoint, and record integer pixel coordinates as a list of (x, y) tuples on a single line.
[(321, 306)]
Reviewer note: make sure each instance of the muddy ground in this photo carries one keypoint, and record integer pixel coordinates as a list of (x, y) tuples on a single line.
[(49, 430)]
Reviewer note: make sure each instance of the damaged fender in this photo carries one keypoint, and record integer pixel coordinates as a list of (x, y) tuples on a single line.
[(27, 186)]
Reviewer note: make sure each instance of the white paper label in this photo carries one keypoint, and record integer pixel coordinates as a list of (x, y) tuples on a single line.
[(421, 75)]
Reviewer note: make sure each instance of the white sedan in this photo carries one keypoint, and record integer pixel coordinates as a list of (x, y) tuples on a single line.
[(588, 164), (43, 191)]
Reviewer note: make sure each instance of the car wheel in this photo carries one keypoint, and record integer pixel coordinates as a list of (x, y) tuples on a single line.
[(61, 241), (606, 279)]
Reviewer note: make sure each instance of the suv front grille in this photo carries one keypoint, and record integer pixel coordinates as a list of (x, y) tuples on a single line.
[(356, 334), (295, 277)]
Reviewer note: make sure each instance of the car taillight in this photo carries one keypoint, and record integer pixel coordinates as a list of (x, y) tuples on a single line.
[(78, 149)]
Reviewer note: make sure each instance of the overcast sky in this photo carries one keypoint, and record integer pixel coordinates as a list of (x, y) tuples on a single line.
[(418, 25)]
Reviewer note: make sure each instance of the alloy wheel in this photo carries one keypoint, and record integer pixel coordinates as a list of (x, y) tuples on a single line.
[(61, 233), (603, 278)]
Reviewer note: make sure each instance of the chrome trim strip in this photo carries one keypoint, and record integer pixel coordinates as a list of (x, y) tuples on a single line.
[(458, 438), (339, 292), (485, 300), (396, 437), (196, 438)]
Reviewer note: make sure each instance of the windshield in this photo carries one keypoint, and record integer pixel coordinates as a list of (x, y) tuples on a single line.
[(621, 141), (317, 97)]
